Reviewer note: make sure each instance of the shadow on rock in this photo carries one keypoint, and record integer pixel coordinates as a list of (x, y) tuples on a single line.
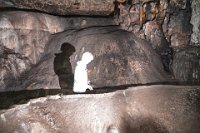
[(62, 66)]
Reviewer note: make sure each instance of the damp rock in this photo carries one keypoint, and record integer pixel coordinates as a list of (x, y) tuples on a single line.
[(72, 7), (156, 108), (120, 58), (186, 65)]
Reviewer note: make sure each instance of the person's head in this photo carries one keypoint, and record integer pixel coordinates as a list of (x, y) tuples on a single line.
[(87, 57)]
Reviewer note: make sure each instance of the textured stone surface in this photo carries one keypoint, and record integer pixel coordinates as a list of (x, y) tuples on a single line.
[(64, 7), (154, 109), (167, 21), (23, 38), (177, 27), (119, 57), (195, 21), (27, 33), (166, 24), (171, 19), (32, 40), (186, 65)]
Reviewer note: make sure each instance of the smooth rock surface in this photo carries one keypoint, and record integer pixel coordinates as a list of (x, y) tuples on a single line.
[(154, 109), (120, 58), (23, 38)]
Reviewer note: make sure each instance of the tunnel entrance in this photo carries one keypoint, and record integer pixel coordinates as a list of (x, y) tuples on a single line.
[(62, 66)]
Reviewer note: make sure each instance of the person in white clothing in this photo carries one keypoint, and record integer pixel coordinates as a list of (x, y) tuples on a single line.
[(81, 83)]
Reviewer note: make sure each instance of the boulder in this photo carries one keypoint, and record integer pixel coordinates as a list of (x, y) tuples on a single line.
[(154, 109), (120, 58)]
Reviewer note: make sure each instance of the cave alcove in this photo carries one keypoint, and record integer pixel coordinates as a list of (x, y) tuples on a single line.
[(145, 72)]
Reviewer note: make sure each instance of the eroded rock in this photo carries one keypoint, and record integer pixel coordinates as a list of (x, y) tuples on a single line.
[(186, 65), (157, 109), (25, 35), (12, 65), (167, 21), (113, 50), (195, 21), (119, 57), (177, 27), (60, 7)]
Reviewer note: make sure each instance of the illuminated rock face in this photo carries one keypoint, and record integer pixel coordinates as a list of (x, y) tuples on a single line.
[(186, 65), (154, 109), (23, 40), (120, 58), (31, 40)]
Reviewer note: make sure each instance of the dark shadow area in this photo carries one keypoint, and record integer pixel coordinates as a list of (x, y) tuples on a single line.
[(145, 125), (9, 99), (62, 66), (54, 14)]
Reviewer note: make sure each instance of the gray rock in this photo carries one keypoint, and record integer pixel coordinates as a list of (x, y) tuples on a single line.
[(195, 21), (120, 58), (72, 7), (25, 35), (186, 65), (156, 109)]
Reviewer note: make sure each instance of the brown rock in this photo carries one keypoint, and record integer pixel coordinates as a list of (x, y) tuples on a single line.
[(186, 65), (177, 27), (120, 58), (195, 21), (60, 7), (163, 22), (25, 35), (156, 109)]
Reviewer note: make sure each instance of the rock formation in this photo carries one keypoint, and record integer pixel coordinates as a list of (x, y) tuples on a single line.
[(111, 55), (25, 35), (34, 38), (187, 59), (134, 43), (60, 7), (156, 109)]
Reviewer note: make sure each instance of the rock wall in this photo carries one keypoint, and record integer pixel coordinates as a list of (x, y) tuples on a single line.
[(164, 23), (29, 40), (111, 55), (23, 41), (195, 21), (60, 7), (172, 28), (186, 65)]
